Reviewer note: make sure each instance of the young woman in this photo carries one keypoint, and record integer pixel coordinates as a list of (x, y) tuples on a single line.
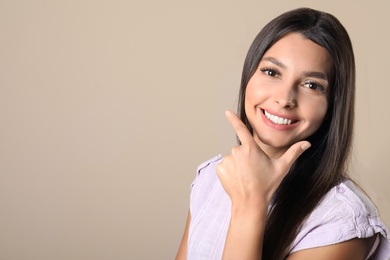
[(284, 192)]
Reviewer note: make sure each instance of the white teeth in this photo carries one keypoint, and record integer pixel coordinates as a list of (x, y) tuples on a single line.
[(277, 120)]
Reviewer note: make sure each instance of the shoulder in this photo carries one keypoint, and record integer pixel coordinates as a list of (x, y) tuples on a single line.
[(206, 169), (207, 194), (210, 213), (211, 162), (344, 213), (206, 186)]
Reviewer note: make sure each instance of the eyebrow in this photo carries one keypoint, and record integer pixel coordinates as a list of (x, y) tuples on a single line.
[(274, 61), (314, 74)]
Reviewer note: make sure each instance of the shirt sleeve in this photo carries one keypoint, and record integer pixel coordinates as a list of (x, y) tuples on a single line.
[(345, 213), (204, 165)]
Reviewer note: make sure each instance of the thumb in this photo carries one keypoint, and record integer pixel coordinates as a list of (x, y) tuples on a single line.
[(296, 150)]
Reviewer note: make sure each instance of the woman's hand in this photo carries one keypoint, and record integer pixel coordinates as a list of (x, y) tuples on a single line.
[(248, 175), (250, 178)]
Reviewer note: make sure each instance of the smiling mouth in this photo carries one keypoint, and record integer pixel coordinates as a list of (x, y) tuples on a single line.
[(278, 120)]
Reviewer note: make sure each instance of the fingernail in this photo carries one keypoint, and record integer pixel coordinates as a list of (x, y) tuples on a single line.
[(305, 146)]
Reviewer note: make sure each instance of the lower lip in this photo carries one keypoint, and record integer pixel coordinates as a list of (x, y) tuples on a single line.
[(276, 126)]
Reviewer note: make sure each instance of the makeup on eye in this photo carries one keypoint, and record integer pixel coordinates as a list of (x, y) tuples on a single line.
[(313, 86), (270, 71), (309, 84)]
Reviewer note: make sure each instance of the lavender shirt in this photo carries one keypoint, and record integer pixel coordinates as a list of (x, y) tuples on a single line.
[(344, 213)]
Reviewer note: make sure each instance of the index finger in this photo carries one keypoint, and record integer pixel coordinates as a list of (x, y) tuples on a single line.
[(239, 127)]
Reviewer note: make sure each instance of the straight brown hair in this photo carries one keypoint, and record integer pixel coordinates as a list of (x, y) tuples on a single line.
[(324, 165)]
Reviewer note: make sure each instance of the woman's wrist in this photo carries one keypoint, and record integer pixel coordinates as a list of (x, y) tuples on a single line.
[(249, 211)]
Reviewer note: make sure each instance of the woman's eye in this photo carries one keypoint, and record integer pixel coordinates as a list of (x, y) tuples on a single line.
[(270, 72), (314, 86)]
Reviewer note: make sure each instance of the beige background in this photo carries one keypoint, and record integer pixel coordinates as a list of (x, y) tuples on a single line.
[(107, 108)]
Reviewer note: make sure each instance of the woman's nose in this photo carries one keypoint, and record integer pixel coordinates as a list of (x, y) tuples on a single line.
[(285, 96)]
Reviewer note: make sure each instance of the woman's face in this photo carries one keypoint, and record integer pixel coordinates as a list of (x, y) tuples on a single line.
[(286, 98)]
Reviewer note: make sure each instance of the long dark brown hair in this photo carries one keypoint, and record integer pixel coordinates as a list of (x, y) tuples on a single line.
[(324, 165)]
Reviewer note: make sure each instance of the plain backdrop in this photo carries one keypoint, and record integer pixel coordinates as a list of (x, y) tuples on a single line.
[(108, 107)]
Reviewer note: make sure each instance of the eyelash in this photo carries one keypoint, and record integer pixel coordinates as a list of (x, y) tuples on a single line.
[(317, 86), (268, 71), (274, 73)]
